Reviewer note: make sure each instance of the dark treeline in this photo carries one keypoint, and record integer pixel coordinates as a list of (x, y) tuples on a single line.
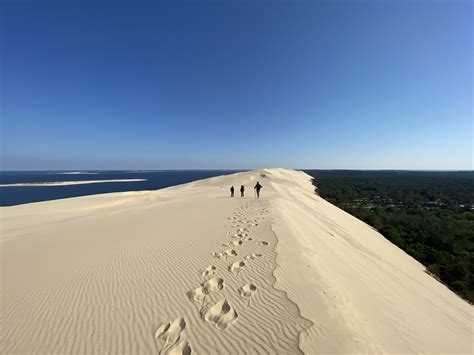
[(430, 215)]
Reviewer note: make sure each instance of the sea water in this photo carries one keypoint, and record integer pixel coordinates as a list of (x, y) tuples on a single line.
[(17, 195)]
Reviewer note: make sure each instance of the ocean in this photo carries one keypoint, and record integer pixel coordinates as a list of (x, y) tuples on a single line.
[(17, 195)]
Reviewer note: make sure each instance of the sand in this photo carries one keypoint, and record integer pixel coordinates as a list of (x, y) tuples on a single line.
[(188, 269), (77, 173), (65, 183)]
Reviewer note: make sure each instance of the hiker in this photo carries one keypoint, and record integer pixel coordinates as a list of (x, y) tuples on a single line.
[(257, 188), (232, 191), (242, 189)]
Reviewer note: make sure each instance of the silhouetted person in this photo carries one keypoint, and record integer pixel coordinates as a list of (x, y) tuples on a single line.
[(242, 189), (257, 188), (232, 191)]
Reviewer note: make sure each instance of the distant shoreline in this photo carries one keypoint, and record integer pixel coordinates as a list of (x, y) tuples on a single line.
[(17, 195), (64, 183), (77, 173)]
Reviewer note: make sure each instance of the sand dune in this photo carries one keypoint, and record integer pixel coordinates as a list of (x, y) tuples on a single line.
[(187, 269)]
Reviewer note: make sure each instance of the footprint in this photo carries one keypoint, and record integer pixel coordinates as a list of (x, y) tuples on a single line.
[(224, 254), (242, 231), (181, 348), (198, 295), (229, 252), (221, 314), (234, 243), (262, 242), (237, 267), (245, 237), (253, 256), (217, 255), (170, 332), (247, 290), (214, 284), (210, 270)]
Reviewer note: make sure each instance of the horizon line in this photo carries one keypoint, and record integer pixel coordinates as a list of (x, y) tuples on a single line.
[(240, 170)]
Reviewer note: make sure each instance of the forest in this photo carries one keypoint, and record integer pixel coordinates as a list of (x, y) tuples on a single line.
[(430, 215)]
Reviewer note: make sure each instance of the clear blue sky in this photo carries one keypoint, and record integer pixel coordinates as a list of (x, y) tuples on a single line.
[(244, 84)]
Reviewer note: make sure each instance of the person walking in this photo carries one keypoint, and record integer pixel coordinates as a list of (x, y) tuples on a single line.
[(242, 189), (257, 189), (232, 191)]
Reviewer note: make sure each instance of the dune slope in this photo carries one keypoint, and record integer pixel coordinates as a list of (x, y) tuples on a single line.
[(189, 269)]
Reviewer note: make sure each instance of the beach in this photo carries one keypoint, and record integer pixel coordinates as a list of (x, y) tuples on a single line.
[(189, 269)]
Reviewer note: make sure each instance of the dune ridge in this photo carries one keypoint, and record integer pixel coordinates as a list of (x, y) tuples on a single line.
[(187, 269)]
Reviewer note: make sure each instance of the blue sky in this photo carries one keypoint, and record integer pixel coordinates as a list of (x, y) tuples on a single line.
[(243, 84)]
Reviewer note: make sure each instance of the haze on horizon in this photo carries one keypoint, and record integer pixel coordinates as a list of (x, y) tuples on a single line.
[(206, 84)]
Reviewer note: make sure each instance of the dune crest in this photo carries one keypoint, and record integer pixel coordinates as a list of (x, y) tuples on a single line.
[(187, 269)]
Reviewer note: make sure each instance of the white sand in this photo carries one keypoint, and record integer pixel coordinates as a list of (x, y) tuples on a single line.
[(63, 183), (143, 272), (77, 173)]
